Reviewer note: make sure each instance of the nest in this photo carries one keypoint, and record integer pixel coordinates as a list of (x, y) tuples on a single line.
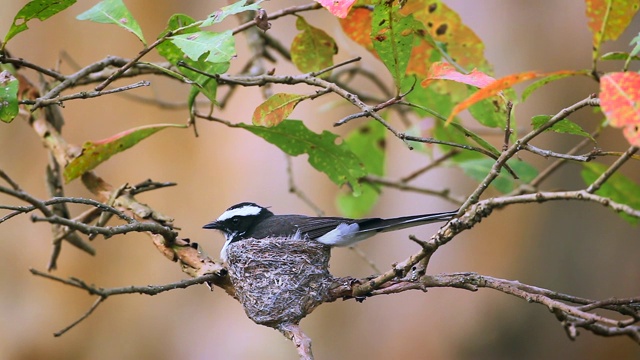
[(279, 281)]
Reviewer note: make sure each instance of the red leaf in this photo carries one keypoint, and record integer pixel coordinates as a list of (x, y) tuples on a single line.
[(446, 71), (620, 102), (339, 8)]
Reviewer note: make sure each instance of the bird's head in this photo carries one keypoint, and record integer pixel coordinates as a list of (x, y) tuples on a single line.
[(238, 220)]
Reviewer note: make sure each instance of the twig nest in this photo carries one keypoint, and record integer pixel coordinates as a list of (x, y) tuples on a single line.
[(279, 281)]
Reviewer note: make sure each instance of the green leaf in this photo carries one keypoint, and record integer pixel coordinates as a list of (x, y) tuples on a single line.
[(504, 183), (36, 9), (439, 102), (358, 206), (636, 45), (220, 47), (565, 126), (490, 113), (113, 12), (236, 8), (8, 96), (392, 35), (368, 143), (433, 104), (618, 188), (619, 55), (312, 49), (338, 162), (451, 134), (95, 153), (475, 137), (544, 81), (275, 109), (205, 84)]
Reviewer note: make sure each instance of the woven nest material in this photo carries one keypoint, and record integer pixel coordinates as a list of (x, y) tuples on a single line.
[(279, 281)]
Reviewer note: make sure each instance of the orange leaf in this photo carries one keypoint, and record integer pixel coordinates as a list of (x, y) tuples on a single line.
[(357, 26), (620, 14), (446, 27), (95, 153), (620, 102), (339, 8), (446, 71), (492, 89), (421, 57), (275, 109), (608, 19)]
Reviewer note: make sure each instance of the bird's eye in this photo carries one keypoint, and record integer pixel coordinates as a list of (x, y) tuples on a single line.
[(235, 220)]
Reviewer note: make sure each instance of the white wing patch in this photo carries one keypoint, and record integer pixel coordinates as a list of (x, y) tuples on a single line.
[(343, 235), (247, 210)]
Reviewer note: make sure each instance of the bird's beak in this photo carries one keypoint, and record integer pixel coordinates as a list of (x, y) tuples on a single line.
[(212, 225)]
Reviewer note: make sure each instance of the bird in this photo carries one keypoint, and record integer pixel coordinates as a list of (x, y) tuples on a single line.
[(247, 220)]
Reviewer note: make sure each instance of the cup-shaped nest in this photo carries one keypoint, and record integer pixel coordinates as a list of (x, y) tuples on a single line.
[(279, 280)]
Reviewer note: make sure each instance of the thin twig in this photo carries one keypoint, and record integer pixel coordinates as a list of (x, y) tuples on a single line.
[(131, 62), (27, 64), (293, 188), (549, 153), (278, 14), (507, 129), (103, 293), (95, 305), (364, 257), (109, 231), (145, 290), (261, 80), (432, 165), (9, 181), (429, 140), (403, 186), (335, 66), (56, 189), (82, 95), (539, 197), (387, 103), (612, 169), (72, 79), (149, 185), (544, 174)]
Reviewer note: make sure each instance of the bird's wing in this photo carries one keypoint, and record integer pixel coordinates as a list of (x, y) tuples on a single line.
[(287, 225), (315, 227)]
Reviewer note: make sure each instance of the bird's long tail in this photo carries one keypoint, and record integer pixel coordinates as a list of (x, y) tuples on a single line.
[(384, 225)]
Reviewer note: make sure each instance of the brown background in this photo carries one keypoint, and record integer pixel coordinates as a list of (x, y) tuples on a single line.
[(576, 248)]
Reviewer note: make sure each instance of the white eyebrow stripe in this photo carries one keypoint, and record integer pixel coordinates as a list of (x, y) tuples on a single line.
[(243, 211)]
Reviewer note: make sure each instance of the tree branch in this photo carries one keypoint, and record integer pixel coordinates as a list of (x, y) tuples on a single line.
[(513, 149), (612, 169), (103, 293), (572, 311)]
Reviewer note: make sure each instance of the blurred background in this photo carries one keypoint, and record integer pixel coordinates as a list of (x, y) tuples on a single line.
[(576, 248)]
